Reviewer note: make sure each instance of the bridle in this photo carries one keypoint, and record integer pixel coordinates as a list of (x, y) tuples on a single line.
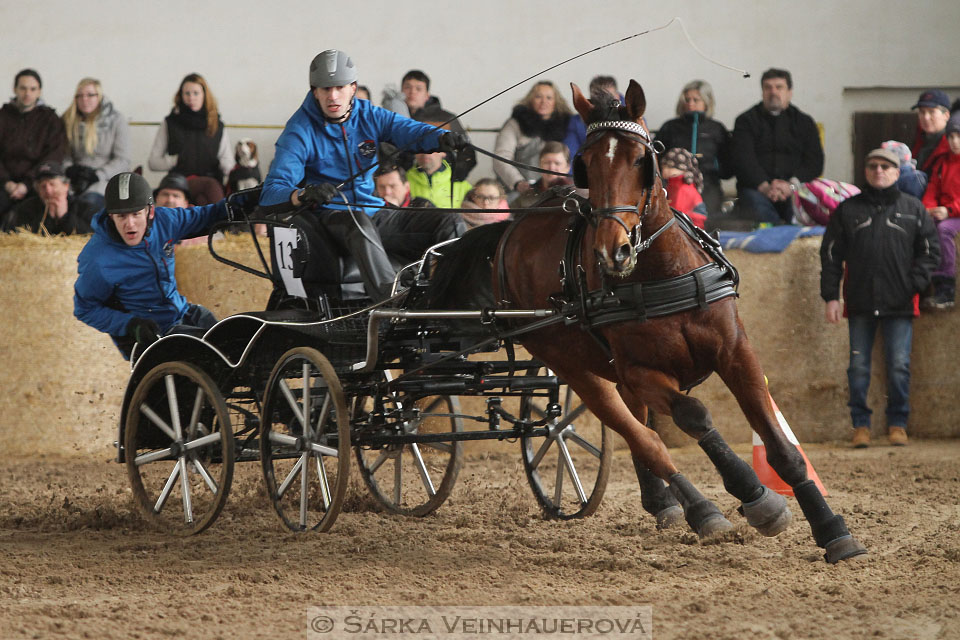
[(633, 131)]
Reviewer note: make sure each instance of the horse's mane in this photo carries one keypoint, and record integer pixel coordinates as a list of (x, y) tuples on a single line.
[(463, 277)]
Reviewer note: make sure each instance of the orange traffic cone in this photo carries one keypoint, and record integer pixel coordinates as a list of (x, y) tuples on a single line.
[(766, 473)]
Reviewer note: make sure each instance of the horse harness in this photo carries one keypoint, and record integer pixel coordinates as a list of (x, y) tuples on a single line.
[(635, 132)]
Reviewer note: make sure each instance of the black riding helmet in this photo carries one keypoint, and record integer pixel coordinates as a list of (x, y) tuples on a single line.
[(127, 192)]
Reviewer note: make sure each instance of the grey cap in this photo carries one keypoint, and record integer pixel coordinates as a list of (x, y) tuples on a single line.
[(889, 155), (332, 68)]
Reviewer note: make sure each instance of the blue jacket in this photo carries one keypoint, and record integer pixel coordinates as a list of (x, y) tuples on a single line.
[(310, 150), (117, 282)]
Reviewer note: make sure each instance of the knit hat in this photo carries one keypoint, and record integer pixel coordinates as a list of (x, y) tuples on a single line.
[(175, 181), (932, 98), (902, 151), (885, 154), (953, 124), (683, 160)]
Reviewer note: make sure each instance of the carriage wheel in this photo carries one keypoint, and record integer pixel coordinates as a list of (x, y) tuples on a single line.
[(567, 469), (178, 444), (415, 479), (305, 440)]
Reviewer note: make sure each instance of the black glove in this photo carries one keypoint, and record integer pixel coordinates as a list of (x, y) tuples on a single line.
[(453, 142), (319, 193), (81, 177), (144, 330)]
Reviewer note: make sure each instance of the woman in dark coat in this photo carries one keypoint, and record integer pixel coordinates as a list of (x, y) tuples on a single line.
[(696, 131)]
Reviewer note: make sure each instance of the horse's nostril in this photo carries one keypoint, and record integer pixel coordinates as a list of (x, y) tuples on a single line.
[(622, 254)]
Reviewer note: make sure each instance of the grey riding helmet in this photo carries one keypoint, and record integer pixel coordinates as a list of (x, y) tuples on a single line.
[(127, 192), (332, 68)]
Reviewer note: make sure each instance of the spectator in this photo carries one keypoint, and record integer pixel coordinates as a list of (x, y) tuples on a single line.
[(553, 157), (600, 87), (30, 135), (126, 284), (99, 142), (486, 194), (416, 101), (332, 140), (173, 192), (432, 178), (684, 182), (393, 187), (773, 143), (541, 116), (911, 180), (695, 130), (942, 200), (192, 141), (53, 210), (930, 146), (888, 246)]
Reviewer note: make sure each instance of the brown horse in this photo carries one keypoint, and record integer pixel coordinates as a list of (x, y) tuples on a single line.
[(634, 254)]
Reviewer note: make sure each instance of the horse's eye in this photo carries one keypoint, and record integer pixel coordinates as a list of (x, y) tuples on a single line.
[(638, 161)]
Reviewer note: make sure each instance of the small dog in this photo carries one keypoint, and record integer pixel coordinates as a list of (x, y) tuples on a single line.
[(246, 173)]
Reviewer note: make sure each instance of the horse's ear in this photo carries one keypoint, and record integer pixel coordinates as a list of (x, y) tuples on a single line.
[(580, 102), (636, 101)]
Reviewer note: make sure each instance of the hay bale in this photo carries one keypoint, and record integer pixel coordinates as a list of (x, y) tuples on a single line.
[(223, 289), (63, 381)]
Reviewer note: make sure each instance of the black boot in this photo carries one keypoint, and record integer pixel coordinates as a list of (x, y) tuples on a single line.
[(946, 289)]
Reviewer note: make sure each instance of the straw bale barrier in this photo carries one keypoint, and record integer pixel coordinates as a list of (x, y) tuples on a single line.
[(63, 381)]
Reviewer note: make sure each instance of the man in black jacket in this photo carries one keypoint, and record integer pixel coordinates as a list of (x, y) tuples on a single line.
[(889, 246), (774, 146)]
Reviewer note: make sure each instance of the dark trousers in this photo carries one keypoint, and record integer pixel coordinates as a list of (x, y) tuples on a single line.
[(406, 235)]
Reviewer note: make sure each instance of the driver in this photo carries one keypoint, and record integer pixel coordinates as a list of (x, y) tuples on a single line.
[(331, 140), (126, 285)]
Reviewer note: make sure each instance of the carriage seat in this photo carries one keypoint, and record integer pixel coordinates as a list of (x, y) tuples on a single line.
[(322, 266)]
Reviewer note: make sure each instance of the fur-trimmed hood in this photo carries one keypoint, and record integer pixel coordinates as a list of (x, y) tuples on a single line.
[(533, 126)]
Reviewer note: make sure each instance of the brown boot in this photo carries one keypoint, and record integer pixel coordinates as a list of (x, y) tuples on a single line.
[(861, 437), (898, 436)]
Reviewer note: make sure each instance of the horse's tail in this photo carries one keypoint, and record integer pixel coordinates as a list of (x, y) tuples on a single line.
[(463, 277)]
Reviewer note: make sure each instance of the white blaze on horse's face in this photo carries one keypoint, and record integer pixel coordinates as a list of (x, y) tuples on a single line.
[(612, 151)]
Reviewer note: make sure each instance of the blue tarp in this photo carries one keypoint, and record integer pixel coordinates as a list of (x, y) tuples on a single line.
[(767, 240)]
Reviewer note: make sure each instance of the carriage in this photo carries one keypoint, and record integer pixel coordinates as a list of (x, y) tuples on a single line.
[(323, 375), (643, 310)]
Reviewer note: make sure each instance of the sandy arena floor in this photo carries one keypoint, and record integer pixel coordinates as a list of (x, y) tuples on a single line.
[(77, 562)]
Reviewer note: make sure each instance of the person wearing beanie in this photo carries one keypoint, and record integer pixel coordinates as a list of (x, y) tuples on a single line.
[(942, 200), (886, 243), (911, 180), (684, 184)]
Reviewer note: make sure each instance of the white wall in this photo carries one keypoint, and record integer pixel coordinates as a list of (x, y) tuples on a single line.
[(255, 54)]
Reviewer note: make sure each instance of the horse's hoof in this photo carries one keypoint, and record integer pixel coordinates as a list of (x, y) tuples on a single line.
[(669, 517), (714, 524), (768, 514), (843, 548)]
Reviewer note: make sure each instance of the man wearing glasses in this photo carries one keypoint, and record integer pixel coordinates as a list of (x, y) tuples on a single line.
[(889, 246)]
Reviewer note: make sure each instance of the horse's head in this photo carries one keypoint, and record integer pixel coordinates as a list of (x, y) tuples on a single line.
[(618, 163)]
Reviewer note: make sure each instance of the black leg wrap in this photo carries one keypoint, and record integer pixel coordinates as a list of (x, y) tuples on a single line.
[(653, 491), (825, 525), (656, 499), (739, 479), (701, 514)]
